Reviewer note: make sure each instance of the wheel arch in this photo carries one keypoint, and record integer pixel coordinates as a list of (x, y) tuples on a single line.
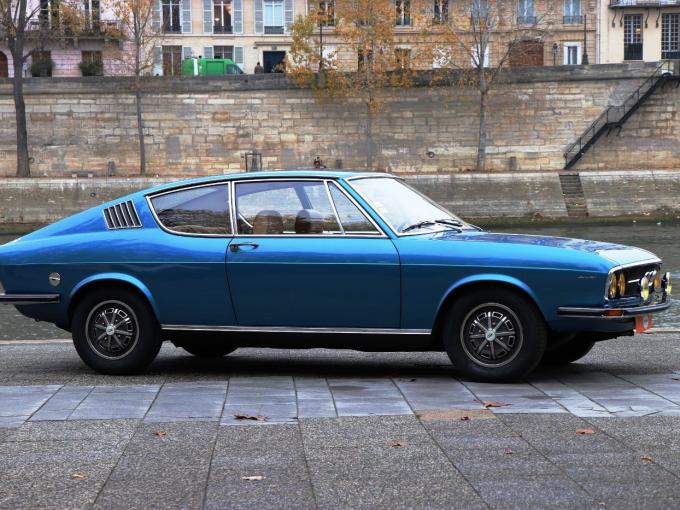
[(472, 283), (109, 280)]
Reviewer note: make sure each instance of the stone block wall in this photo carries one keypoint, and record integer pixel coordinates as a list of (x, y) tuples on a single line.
[(199, 126)]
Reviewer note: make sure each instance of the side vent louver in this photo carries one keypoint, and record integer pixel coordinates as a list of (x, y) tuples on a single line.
[(123, 215)]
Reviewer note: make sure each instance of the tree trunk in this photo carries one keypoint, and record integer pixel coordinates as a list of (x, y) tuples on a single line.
[(23, 166), (140, 128), (369, 138), (481, 143)]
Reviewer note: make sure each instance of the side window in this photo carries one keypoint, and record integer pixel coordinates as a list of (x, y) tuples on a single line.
[(202, 210), (284, 208), (353, 220)]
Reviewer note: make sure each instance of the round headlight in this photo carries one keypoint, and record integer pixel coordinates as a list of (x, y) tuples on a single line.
[(622, 285), (612, 286), (644, 288), (668, 284), (657, 280)]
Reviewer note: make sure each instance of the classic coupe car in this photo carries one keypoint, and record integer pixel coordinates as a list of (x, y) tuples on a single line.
[(322, 259)]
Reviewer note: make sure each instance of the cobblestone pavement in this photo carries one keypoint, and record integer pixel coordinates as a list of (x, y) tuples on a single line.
[(342, 430)]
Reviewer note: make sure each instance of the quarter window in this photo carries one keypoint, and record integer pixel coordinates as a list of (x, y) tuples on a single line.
[(202, 211), (352, 219)]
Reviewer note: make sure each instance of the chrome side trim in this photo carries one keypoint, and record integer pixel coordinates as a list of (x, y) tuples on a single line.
[(287, 329), (28, 299)]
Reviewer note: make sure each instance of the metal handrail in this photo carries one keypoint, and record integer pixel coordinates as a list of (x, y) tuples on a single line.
[(623, 109)]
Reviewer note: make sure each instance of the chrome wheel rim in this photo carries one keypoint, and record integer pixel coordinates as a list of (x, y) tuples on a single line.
[(491, 335), (112, 330)]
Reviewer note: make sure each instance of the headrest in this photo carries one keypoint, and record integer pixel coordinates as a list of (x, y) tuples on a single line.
[(309, 221), (268, 222)]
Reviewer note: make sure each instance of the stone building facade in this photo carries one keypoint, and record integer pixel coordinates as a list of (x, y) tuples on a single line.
[(206, 126)]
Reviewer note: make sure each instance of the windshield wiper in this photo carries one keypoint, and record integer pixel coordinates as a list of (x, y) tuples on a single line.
[(449, 222)]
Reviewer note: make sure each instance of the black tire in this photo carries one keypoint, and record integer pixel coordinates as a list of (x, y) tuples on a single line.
[(573, 350), (516, 346), (127, 348), (208, 348)]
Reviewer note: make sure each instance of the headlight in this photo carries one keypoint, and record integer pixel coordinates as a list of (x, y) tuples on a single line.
[(667, 283), (644, 288), (622, 285), (612, 286)]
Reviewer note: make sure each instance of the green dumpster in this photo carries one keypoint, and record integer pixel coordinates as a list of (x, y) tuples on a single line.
[(209, 67)]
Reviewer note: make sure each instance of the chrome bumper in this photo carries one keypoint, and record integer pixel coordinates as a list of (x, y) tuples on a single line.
[(613, 313), (28, 299)]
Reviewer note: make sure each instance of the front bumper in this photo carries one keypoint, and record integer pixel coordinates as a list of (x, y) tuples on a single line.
[(614, 312), (28, 299)]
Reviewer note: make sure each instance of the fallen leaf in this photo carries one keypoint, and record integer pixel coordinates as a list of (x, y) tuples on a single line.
[(78, 476), (646, 457), (254, 478), (509, 452), (249, 417), (464, 418), (676, 378), (411, 380), (160, 433), (395, 444), (585, 432), (488, 404)]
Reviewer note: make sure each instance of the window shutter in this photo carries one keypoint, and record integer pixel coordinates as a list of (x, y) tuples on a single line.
[(186, 16), (288, 14), (207, 16), (237, 17), (208, 52), (259, 17), (186, 52), (158, 61), (238, 56), (156, 17)]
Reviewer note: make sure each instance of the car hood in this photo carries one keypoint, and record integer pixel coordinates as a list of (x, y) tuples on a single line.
[(617, 254)]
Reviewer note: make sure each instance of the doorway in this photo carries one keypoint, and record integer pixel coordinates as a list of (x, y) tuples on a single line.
[(172, 60), (4, 68), (526, 54), (273, 61)]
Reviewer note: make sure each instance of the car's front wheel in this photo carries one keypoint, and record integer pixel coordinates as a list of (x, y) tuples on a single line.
[(494, 335), (573, 350), (115, 332)]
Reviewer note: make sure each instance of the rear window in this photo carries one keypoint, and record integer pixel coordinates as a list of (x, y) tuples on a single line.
[(202, 210)]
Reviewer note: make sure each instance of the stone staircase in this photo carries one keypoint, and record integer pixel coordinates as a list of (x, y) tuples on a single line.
[(574, 198)]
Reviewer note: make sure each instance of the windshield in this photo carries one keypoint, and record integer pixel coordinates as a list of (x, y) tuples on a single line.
[(405, 209)]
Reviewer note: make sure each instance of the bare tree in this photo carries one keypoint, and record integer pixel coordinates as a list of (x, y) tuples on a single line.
[(477, 40), (140, 20), (364, 29)]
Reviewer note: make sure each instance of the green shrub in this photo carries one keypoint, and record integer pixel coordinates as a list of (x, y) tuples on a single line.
[(92, 68), (42, 67)]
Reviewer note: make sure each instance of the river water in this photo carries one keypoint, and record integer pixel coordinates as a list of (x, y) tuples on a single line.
[(663, 239)]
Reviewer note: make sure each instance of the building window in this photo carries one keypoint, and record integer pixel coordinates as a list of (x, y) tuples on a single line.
[(572, 12), (403, 8), (441, 11), (91, 57), (223, 52), (49, 13), (632, 37), (479, 9), (402, 57), (170, 10), (526, 14), (222, 17), (364, 58), (172, 60), (41, 63), (476, 61), (572, 54), (92, 14), (327, 13), (273, 16), (670, 36)]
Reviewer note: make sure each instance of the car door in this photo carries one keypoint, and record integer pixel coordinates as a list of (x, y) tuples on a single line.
[(305, 255)]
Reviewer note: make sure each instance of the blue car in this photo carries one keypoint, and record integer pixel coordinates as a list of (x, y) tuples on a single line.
[(322, 259)]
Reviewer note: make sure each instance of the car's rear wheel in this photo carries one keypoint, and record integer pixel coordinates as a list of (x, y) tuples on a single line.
[(207, 348), (494, 335), (115, 331), (573, 350)]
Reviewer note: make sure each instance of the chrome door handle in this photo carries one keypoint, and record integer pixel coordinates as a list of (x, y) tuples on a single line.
[(237, 246)]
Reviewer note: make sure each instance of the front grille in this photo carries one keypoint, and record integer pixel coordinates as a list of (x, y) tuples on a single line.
[(633, 276), (123, 215)]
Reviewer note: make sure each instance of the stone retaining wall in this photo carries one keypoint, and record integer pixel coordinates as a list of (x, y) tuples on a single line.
[(472, 195)]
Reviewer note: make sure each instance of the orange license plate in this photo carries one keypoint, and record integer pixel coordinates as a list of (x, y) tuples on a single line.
[(643, 323)]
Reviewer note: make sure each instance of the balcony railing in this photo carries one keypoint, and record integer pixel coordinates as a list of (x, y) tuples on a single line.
[(273, 30), (526, 20), (172, 29), (632, 51), (91, 29), (221, 29), (572, 20), (670, 55), (644, 3)]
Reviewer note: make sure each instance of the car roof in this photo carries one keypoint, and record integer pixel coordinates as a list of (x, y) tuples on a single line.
[(277, 174)]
